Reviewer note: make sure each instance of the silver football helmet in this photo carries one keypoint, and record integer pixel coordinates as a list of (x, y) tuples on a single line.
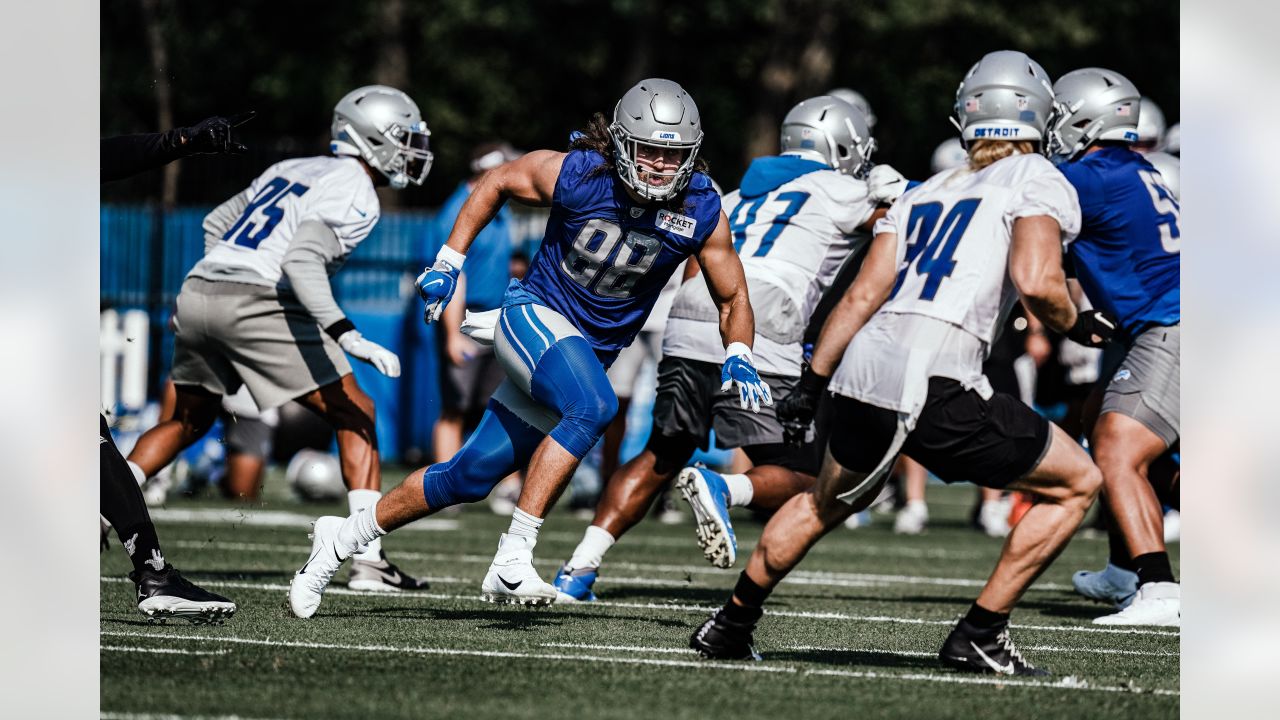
[(1004, 96), (855, 98), (1173, 140), (384, 127), (830, 131), (1151, 126), (950, 153), (1092, 104), (1170, 169), (657, 115)]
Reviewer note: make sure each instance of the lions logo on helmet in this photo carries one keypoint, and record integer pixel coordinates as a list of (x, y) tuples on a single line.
[(315, 476)]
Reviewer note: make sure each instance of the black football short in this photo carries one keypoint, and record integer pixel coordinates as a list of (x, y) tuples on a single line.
[(959, 436)]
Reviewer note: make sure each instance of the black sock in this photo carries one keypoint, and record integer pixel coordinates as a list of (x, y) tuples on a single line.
[(1119, 551), (143, 546), (984, 619), (121, 503), (1153, 567), (752, 597)]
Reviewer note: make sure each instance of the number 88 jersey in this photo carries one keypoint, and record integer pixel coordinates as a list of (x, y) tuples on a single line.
[(954, 233), (605, 258)]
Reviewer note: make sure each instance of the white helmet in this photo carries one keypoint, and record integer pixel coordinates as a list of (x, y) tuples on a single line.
[(384, 127), (315, 476), (1151, 126), (855, 98), (1004, 96), (1173, 140), (1170, 170), (655, 113), (830, 131), (950, 153)]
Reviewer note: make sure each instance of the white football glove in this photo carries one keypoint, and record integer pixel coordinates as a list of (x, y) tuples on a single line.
[(385, 361), (884, 184)]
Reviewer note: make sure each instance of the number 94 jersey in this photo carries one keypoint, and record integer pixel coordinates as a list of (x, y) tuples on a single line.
[(954, 233), (605, 258)]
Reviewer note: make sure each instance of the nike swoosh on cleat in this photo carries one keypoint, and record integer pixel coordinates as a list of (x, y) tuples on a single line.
[(510, 586), (1006, 670), (307, 564)]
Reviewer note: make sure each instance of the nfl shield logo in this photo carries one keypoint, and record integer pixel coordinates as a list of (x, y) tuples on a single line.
[(637, 212)]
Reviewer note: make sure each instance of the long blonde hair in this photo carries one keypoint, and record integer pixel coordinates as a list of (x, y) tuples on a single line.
[(985, 152)]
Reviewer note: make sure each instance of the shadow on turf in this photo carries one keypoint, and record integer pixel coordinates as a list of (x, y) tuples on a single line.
[(1066, 608), (851, 657)]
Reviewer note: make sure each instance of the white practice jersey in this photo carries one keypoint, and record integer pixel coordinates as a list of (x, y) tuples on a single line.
[(792, 242), (333, 190), (953, 289)]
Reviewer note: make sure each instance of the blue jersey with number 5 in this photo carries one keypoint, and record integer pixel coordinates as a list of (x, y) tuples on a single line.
[(1127, 256), (605, 258)]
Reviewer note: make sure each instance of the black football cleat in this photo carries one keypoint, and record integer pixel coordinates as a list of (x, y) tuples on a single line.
[(165, 593), (969, 649), (722, 639)]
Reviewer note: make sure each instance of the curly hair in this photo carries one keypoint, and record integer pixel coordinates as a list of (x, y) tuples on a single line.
[(597, 138)]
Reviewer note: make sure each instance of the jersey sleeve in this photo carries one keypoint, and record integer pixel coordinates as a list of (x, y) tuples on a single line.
[(570, 185), (892, 219), (1048, 193), (346, 203)]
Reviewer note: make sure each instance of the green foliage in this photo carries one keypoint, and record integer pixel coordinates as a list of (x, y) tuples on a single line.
[(532, 72)]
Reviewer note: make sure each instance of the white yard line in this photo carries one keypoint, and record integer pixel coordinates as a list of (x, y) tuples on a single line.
[(1035, 648), (271, 518), (675, 607), (620, 648), (106, 715), (797, 577), (161, 651), (1064, 684)]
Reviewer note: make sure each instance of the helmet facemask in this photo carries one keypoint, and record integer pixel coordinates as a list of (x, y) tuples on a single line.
[(639, 176)]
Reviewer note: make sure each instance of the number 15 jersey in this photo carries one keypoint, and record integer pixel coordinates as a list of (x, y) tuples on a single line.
[(605, 258), (954, 234)]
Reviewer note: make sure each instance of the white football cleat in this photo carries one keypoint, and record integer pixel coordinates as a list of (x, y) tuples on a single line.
[(1157, 603), (912, 518), (511, 578), (327, 556)]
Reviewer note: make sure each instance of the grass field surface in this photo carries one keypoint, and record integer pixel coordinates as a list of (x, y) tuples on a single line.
[(852, 633)]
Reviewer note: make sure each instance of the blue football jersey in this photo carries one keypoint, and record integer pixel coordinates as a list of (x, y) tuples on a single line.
[(1127, 256), (605, 258)]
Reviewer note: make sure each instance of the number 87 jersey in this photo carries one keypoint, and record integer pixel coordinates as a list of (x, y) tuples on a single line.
[(954, 233), (605, 258)]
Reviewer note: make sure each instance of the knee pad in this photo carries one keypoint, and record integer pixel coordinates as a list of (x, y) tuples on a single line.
[(670, 452), (571, 379)]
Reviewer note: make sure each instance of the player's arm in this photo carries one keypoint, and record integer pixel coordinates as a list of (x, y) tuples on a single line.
[(217, 222), (722, 271), (530, 180), (125, 155), (313, 247), (870, 290), (1035, 267)]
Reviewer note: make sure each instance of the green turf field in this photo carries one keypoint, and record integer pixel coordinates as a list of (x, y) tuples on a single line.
[(852, 634)]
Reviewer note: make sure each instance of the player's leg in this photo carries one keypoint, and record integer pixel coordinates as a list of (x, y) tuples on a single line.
[(853, 471), (195, 410), (162, 592), (500, 444), (914, 515), (681, 419)]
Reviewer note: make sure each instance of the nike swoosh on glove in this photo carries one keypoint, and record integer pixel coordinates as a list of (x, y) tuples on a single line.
[(436, 285), (1093, 328), (738, 370)]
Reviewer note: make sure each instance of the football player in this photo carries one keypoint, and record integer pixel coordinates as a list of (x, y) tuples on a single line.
[(903, 354), (795, 219), (162, 591), (257, 310), (1128, 260), (629, 202)]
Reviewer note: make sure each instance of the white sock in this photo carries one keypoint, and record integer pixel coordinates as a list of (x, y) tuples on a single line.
[(358, 500), (361, 528), (596, 541), (741, 492), (524, 525), (138, 475)]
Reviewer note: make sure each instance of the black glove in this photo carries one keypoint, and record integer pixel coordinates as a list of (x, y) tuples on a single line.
[(1093, 328), (797, 410), (212, 136)]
